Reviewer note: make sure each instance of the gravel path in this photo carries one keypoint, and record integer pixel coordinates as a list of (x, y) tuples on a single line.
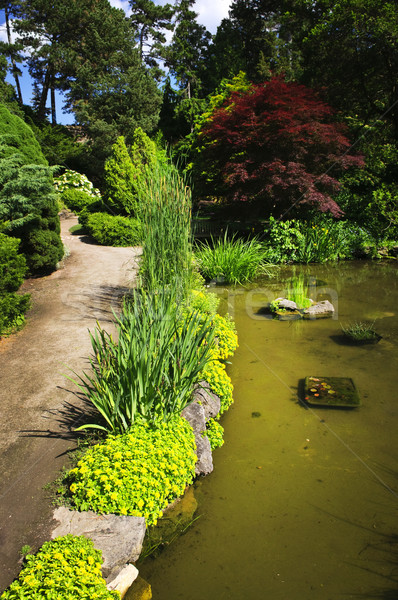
[(38, 407)]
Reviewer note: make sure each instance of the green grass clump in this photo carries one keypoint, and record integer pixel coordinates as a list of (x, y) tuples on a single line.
[(165, 212), (65, 568), (152, 367), (297, 291), (359, 331), (138, 473), (235, 260)]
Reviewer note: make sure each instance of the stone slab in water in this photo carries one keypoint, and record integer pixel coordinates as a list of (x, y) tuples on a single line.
[(319, 310), (119, 537), (124, 580), (331, 391), (209, 400)]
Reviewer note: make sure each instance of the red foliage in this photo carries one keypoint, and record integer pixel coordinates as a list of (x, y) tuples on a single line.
[(278, 146)]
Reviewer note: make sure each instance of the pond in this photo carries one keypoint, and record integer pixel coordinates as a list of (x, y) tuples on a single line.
[(303, 502)]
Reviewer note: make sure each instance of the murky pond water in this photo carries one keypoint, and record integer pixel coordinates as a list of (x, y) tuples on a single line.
[(302, 503)]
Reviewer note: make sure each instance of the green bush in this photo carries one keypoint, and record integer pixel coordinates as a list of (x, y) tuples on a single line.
[(76, 199), (138, 473), (237, 261), (110, 230), (28, 206), (19, 138), (121, 181), (12, 272), (66, 568)]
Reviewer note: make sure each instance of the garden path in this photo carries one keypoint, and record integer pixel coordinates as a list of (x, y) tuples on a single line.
[(38, 409)]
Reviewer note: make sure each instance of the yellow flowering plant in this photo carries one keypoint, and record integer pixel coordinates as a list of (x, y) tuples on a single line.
[(66, 568), (137, 473)]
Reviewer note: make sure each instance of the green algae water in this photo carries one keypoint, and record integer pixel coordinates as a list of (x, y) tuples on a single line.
[(303, 502)]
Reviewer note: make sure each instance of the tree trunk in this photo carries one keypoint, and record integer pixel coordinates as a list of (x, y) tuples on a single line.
[(41, 109), (14, 66), (53, 107)]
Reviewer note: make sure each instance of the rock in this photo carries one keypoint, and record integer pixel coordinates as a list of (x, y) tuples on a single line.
[(124, 580), (141, 590), (195, 415), (119, 537), (287, 304), (211, 403), (319, 310)]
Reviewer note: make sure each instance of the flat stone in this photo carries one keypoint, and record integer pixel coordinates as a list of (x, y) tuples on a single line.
[(195, 415), (319, 310), (287, 304), (119, 537), (209, 400), (123, 581)]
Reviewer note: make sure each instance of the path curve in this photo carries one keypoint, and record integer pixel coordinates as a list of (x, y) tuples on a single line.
[(37, 407)]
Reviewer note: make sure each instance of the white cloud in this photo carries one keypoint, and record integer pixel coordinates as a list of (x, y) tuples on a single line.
[(123, 4), (211, 12)]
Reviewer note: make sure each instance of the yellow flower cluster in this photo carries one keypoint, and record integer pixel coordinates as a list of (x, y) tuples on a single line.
[(66, 568), (137, 473)]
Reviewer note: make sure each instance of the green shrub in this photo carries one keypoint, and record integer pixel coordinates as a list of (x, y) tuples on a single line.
[(19, 138), (121, 181), (152, 367), (28, 205), (12, 272), (235, 260), (110, 230), (66, 568), (76, 199), (138, 473), (215, 432)]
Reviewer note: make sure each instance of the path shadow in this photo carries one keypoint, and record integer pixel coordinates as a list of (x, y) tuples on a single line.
[(72, 415)]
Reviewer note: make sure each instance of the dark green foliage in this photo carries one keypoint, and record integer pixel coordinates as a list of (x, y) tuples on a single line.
[(28, 205), (110, 230), (77, 200), (12, 272), (18, 136)]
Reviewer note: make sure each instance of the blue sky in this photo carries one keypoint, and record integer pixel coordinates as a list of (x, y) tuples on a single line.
[(210, 14)]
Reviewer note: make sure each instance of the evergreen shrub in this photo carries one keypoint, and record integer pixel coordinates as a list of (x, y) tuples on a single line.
[(65, 568), (110, 230), (12, 271), (76, 200), (137, 473)]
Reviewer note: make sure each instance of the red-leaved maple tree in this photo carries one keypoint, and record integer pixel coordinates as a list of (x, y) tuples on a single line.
[(276, 146)]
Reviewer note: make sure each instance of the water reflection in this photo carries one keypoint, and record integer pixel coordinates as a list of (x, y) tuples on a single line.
[(302, 503)]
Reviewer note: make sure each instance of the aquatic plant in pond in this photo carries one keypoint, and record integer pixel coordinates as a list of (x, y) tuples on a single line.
[(297, 291), (360, 331), (233, 259)]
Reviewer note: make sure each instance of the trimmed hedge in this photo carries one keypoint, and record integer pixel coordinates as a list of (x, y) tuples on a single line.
[(109, 230)]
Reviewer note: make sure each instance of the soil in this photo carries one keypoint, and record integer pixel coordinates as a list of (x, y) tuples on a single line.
[(40, 407)]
